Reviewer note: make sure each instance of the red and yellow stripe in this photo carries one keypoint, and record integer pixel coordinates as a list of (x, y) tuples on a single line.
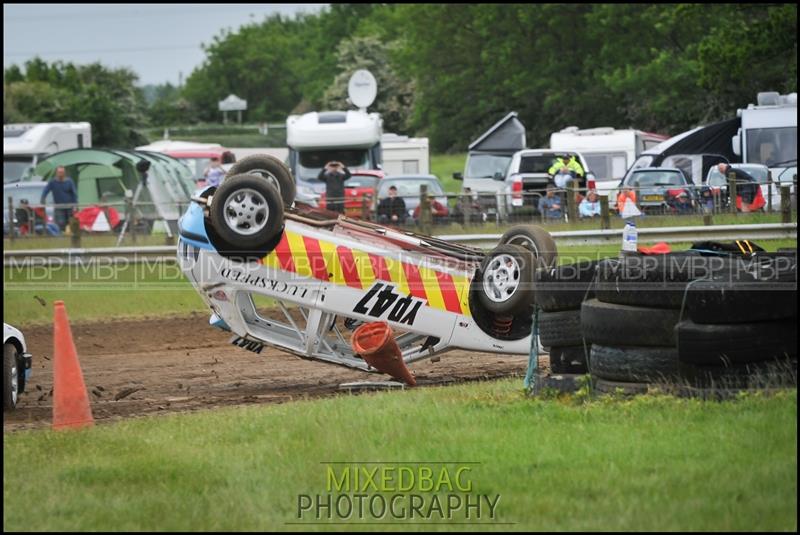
[(344, 266)]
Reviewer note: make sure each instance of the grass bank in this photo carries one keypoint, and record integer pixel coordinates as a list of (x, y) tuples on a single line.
[(653, 463)]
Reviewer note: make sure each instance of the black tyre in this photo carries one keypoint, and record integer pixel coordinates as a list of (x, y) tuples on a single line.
[(560, 328), (724, 301), (603, 386), (656, 281), (736, 343), (617, 325), (505, 281), (535, 239), (634, 364), (570, 359), (565, 287), (246, 212), (770, 373), (11, 377), (270, 168)]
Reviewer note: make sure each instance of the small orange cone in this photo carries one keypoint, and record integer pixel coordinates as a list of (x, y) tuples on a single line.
[(375, 343), (70, 399)]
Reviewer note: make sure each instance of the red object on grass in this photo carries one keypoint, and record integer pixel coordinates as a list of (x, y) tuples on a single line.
[(375, 343), (659, 248)]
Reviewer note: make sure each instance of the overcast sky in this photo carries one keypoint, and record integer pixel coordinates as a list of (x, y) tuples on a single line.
[(157, 41)]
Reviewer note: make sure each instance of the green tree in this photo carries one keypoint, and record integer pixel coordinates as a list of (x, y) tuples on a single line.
[(107, 98)]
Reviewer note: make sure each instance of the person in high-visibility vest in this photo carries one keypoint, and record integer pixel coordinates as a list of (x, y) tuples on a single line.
[(567, 162)]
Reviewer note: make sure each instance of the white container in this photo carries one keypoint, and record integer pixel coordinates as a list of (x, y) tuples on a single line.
[(629, 237)]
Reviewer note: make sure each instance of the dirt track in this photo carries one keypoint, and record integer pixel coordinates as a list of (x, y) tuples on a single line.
[(183, 364)]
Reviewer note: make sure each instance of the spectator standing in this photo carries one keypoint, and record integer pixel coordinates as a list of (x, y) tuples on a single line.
[(392, 209), (550, 204), (334, 174), (214, 173), (228, 159), (590, 205), (65, 196)]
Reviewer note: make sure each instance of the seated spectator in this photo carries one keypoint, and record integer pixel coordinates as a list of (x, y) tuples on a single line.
[(625, 195), (439, 210), (550, 204), (392, 209), (562, 178), (590, 205), (680, 203)]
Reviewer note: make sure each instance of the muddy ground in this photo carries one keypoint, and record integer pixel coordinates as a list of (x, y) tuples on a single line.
[(154, 366)]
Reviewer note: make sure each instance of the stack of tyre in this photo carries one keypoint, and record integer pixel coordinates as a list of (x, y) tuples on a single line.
[(559, 294), (687, 318)]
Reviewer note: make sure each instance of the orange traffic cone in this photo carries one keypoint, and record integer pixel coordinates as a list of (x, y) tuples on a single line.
[(375, 343), (70, 399)]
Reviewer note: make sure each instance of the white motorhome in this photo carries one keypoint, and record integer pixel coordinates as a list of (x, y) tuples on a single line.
[(608, 152), (403, 155), (25, 144), (352, 137), (768, 134)]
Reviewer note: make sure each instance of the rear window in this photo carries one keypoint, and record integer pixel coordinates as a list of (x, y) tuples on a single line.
[(655, 178), (536, 164)]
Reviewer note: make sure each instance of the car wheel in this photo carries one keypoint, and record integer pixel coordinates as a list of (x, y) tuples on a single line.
[(246, 212), (536, 240), (271, 169), (505, 280), (10, 377)]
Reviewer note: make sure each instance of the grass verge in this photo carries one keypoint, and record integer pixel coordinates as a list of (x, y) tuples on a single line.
[(650, 463)]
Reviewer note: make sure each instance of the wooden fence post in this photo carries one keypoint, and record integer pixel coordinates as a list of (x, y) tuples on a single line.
[(786, 205), (605, 215), (732, 192), (425, 216)]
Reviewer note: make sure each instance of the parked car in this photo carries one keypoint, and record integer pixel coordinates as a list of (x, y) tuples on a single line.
[(658, 189), (16, 366), (361, 184), (719, 183), (527, 178), (408, 187)]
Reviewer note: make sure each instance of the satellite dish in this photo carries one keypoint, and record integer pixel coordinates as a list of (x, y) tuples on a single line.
[(362, 89)]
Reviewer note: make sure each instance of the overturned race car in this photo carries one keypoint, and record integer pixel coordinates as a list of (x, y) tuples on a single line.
[(247, 240)]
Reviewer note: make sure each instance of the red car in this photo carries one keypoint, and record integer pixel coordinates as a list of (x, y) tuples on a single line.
[(362, 184)]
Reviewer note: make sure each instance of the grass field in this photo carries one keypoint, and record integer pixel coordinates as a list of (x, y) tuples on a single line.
[(652, 463), (444, 165), (99, 291)]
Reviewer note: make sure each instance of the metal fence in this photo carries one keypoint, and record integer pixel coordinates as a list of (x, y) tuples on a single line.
[(426, 212)]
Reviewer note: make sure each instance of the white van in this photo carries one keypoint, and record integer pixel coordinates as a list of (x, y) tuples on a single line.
[(315, 138), (608, 152), (768, 134), (25, 144)]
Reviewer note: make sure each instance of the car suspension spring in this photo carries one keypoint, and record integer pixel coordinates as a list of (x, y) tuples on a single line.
[(502, 325)]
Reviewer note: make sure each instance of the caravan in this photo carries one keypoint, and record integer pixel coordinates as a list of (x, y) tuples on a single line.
[(24, 145)]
